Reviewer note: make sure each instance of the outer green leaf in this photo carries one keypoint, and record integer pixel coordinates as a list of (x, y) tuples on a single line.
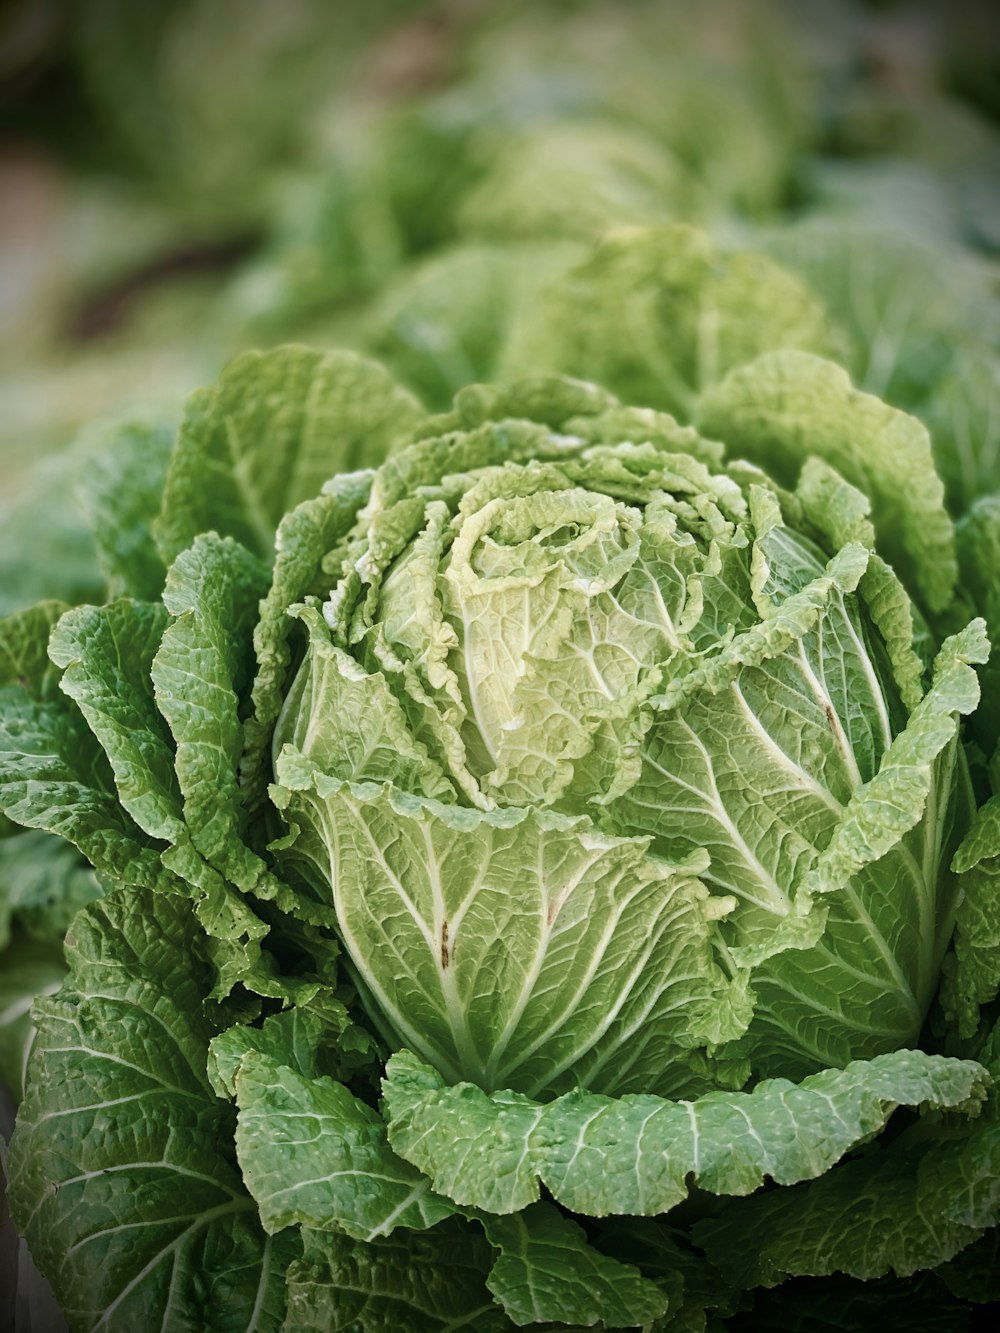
[(402, 1284), (121, 489), (85, 512), (106, 653), (304, 537), (547, 1271), (912, 1204), (444, 323), (24, 662), (110, 654), (28, 969), (921, 325), (894, 297), (639, 1154), (292, 1038), (664, 1254), (43, 884), (24, 649), (54, 776), (313, 1154), (871, 978), (64, 564), (841, 513), (962, 416), (787, 405), (894, 800), (979, 562), (972, 970), (198, 672), (788, 756), (658, 318), (519, 948), (121, 1177), (275, 428), (889, 1212)]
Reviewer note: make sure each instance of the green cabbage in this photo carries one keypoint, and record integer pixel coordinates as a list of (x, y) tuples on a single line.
[(514, 856)]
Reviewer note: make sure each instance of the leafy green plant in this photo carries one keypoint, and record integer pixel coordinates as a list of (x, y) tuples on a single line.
[(540, 863), (536, 867)]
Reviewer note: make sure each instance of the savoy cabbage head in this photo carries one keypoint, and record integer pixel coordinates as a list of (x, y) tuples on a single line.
[(616, 764), (512, 855)]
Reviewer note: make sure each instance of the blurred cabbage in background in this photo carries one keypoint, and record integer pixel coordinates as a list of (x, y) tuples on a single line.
[(186, 179), (428, 182)]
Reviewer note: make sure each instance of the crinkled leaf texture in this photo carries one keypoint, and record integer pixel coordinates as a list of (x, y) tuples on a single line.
[(304, 537), (28, 968), (109, 655), (123, 1176), (521, 948), (788, 405), (314, 1155), (121, 489), (437, 1280), (566, 656), (914, 1203), (978, 533), (620, 772), (54, 776), (413, 1284), (275, 428), (972, 970), (920, 325), (639, 1154), (161, 687), (691, 315)]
